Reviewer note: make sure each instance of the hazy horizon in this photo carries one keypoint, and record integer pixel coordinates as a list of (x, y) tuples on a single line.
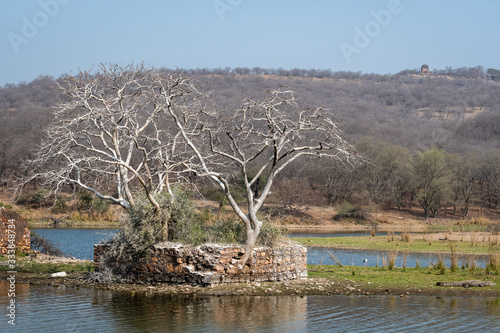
[(54, 37)]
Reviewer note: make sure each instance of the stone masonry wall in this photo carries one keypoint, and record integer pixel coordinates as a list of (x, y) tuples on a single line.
[(209, 264), (14, 233)]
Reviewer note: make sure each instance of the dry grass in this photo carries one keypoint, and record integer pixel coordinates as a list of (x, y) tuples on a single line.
[(405, 259), (471, 262), (405, 235), (391, 259), (473, 238), (483, 221), (494, 263), (440, 263), (454, 257), (335, 259)]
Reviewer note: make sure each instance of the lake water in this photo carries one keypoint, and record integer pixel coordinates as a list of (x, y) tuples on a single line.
[(71, 309), (76, 242), (317, 256), (79, 243)]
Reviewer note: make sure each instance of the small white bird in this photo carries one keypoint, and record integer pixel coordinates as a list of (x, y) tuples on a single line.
[(365, 261)]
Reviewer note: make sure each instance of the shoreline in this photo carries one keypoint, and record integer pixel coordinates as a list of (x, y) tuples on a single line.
[(312, 285), (347, 227), (399, 252)]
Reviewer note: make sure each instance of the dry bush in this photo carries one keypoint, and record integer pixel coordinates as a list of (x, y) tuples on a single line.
[(391, 259), (480, 221), (494, 228), (405, 259), (440, 263), (44, 245), (492, 242), (493, 263), (454, 257), (471, 262), (390, 236), (473, 238), (405, 235)]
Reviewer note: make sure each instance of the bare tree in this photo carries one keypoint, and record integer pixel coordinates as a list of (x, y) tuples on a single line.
[(136, 127), (264, 135), (111, 131)]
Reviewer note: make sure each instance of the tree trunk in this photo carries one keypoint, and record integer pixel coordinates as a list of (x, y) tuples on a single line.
[(251, 238)]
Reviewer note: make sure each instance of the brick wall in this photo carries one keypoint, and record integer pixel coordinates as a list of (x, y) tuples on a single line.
[(209, 264)]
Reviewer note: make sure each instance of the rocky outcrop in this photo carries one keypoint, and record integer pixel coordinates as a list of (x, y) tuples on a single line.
[(467, 284), (208, 264)]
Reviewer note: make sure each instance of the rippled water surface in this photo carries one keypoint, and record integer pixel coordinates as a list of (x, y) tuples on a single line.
[(78, 243), (68, 309), (316, 256)]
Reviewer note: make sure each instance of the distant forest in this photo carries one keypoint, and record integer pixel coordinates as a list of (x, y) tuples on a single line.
[(431, 141)]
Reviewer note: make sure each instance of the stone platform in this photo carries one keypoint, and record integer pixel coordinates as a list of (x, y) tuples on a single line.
[(208, 264)]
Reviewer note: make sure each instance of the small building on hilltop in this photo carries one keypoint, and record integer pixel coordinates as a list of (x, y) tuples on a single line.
[(424, 69)]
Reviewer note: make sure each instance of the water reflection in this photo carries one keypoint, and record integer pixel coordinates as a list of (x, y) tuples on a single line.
[(209, 314), (396, 314), (69, 309)]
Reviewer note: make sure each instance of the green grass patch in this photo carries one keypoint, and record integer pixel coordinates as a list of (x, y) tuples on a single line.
[(409, 279), (50, 268), (381, 243)]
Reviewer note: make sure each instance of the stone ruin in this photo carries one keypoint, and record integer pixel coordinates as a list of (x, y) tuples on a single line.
[(208, 264), (424, 69), (18, 236)]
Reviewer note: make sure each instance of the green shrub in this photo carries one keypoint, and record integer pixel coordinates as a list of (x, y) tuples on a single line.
[(349, 211), (88, 202), (60, 205), (142, 226), (269, 235), (40, 199), (35, 199), (227, 231), (9, 207)]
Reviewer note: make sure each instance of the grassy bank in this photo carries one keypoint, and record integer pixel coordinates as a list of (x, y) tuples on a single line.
[(396, 243), (75, 224), (411, 280), (322, 280), (24, 264)]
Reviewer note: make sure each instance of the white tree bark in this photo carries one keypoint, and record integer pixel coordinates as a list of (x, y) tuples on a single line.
[(266, 135), (135, 127), (111, 128)]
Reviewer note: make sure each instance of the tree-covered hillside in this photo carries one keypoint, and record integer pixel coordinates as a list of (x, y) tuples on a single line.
[(407, 126)]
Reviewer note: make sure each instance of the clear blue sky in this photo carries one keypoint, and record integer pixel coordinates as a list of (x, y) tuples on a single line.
[(52, 37)]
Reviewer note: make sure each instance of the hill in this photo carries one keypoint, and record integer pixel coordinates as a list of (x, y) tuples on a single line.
[(393, 120)]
